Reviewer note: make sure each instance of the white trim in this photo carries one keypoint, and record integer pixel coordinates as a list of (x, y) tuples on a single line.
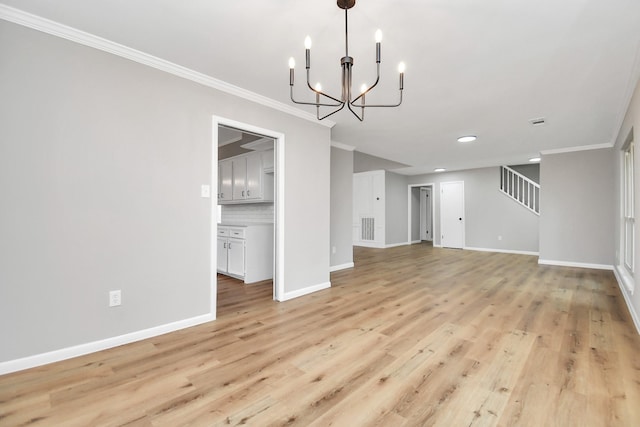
[(437, 246), (279, 147), (395, 245), (625, 278), (341, 267), (502, 251), (577, 148), (280, 168), (92, 347), (575, 264), (213, 257), (305, 291), (433, 210), (53, 28), (634, 315), (370, 245), (342, 146), (413, 242)]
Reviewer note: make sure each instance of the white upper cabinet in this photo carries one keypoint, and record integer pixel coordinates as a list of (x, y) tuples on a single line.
[(239, 178), (225, 180), (244, 179), (254, 175)]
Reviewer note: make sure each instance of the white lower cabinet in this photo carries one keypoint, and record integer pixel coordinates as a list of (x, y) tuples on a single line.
[(235, 260), (223, 254), (246, 251)]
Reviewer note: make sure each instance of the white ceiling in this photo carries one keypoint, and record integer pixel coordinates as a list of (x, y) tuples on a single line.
[(473, 67)]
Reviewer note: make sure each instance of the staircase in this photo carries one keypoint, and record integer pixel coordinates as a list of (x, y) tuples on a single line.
[(520, 188)]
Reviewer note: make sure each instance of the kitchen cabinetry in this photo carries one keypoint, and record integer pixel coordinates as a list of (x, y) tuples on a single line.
[(245, 251), (247, 178), (225, 180)]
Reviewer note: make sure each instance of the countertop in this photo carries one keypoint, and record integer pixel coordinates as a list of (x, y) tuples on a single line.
[(246, 224)]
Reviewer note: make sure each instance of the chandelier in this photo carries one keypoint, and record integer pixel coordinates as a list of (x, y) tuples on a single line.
[(358, 103)]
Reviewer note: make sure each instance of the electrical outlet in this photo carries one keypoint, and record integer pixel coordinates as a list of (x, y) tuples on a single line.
[(333, 250), (499, 237), (205, 191), (115, 298)]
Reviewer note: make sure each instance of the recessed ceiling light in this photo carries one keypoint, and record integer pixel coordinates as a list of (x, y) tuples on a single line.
[(439, 170), (534, 159), (467, 138)]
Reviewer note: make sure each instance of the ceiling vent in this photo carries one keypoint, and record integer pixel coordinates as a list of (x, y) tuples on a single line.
[(537, 122)]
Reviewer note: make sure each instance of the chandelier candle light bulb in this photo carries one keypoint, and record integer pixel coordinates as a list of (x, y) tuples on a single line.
[(292, 66), (346, 63), (307, 51)]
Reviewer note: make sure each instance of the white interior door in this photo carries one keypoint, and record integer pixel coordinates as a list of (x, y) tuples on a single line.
[(452, 214)]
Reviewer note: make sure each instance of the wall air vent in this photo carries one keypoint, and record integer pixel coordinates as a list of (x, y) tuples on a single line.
[(367, 229), (537, 122)]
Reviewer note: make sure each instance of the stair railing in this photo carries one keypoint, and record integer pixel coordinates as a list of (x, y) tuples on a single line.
[(520, 188)]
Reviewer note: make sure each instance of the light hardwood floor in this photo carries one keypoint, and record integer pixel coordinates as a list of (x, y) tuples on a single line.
[(413, 336)]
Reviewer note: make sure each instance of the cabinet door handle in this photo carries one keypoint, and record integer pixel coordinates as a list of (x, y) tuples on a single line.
[(229, 245), (242, 193), (221, 195), (224, 245), (248, 193)]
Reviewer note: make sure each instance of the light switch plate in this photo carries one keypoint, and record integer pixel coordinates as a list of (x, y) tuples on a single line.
[(205, 191)]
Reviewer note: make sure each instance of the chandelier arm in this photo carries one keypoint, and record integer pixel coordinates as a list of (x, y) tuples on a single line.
[(313, 103), (379, 105), (354, 113), (330, 114), (322, 93), (372, 86), (316, 104)]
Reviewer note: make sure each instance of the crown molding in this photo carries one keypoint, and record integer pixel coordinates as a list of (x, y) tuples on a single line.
[(57, 29), (577, 148), (342, 146)]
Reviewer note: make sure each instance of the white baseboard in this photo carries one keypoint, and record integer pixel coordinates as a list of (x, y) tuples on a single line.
[(413, 242), (305, 291), (575, 264), (395, 245), (369, 245), (435, 245), (92, 347), (502, 251), (341, 267), (625, 293)]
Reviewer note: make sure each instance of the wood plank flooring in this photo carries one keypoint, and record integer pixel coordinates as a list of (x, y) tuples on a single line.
[(413, 336)]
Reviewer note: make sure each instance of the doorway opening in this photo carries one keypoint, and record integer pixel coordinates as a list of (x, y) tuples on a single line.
[(421, 211), (234, 140)]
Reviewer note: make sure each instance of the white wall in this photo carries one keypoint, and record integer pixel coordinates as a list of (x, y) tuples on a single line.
[(395, 209), (365, 163), (101, 163), (576, 208), (341, 208), (489, 213)]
